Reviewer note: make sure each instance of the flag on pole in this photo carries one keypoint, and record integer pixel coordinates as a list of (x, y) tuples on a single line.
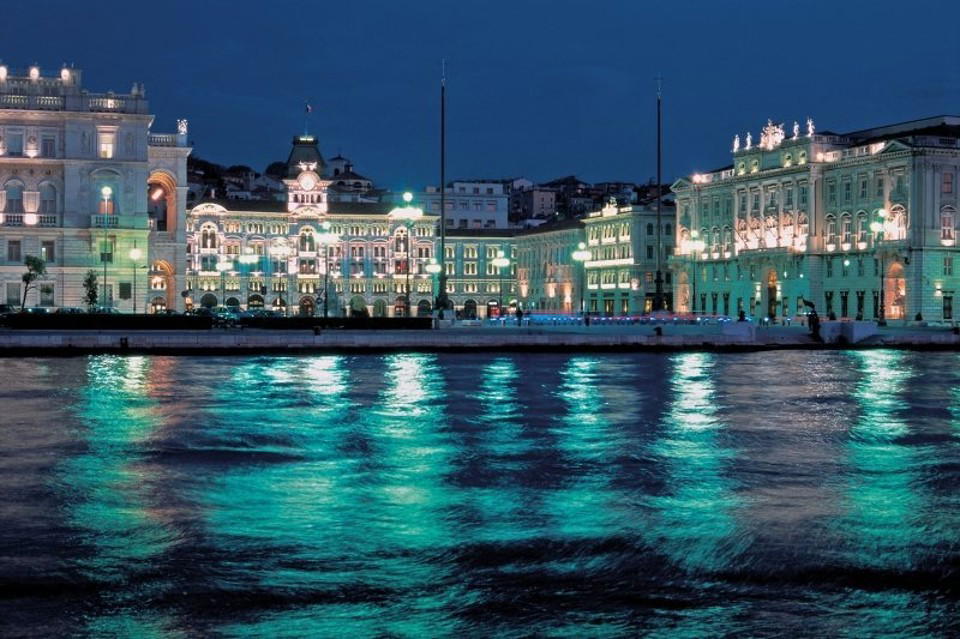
[(309, 108)]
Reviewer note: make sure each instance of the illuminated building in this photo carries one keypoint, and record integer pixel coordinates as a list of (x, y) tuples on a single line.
[(861, 224), (620, 274), (85, 186), (366, 254)]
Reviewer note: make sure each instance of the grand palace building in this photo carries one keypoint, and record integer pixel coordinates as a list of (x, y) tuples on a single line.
[(86, 186), (859, 224)]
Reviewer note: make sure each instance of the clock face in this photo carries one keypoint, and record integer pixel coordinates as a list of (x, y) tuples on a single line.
[(307, 181)]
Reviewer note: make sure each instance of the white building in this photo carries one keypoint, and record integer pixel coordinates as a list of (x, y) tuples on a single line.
[(85, 186), (471, 205), (861, 224)]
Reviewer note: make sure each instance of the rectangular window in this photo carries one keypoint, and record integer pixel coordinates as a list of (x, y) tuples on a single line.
[(125, 290), (847, 191), (649, 252), (803, 195), (948, 307), (947, 182), (48, 147), (948, 266), (879, 186), (106, 141), (832, 192), (13, 251), (829, 267), (13, 293), (15, 144), (47, 252)]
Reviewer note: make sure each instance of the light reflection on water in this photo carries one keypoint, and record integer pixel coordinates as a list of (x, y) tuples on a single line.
[(693, 494)]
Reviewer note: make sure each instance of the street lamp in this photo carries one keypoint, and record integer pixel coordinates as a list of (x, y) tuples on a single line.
[(500, 262), (135, 254), (696, 245), (326, 237), (433, 268), (223, 266), (877, 227), (582, 254)]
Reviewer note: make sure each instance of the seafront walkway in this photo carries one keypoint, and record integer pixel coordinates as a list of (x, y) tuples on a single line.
[(456, 338)]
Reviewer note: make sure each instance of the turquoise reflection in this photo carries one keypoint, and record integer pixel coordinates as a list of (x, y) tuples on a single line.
[(694, 524), (584, 507), (882, 491), (104, 488)]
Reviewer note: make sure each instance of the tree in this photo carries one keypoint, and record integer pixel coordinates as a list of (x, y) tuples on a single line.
[(36, 268), (276, 170), (90, 288)]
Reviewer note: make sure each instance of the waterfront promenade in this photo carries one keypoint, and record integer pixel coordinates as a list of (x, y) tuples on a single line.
[(460, 338)]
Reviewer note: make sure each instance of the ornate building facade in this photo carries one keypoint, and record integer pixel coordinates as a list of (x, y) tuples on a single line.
[(85, 185), (370, 257), (860, 224)]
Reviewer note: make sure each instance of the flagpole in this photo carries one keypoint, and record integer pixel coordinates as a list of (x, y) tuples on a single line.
[(442, 301), (658, 302), (306, 114)]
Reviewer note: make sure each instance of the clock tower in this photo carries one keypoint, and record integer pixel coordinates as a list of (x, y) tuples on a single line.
[(305, 183)]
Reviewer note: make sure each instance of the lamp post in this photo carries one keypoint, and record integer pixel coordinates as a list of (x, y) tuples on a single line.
[(326, 238), (433, 268), (223, 266), (581, 255), (135, 254), (696, 245), (877, 227), (501, 261)]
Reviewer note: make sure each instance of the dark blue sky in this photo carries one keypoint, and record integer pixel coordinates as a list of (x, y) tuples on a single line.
[(539, 89)]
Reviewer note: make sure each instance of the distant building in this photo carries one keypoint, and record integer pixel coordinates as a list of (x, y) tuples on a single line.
[(470, 205), (85, 185)]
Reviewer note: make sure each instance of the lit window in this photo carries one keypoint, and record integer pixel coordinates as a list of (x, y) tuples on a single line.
[(106, 141)]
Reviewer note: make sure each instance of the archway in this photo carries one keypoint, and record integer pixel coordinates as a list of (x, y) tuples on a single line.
[(209, 300), (307, 306), (470, 310), (158, 305), (161, 278), (493, 309), (683, 292), (233, 303), (279, 304), (162, 201), (772, 293), (399, 307), (254, 301), (423, 308), (895, 292), (379, 307)]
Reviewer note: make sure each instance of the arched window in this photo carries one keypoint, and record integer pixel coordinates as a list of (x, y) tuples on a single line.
[(802, 157), (831, 229), (896, 227), (208, 237), (948, 217), (846, 229), (48, 198), (727, 240), (14, 191), (308, 242), (400, 241), (803, 226), (862, 227), (106, 202)]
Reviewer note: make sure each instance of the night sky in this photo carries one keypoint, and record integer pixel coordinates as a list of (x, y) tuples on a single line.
[(538, 89)]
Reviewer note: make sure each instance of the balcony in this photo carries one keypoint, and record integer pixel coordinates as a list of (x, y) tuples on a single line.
[(118, 222)]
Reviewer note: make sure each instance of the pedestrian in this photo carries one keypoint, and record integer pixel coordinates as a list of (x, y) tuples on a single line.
[(519, 317)]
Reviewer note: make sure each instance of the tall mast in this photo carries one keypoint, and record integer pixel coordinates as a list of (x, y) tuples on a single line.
[(658, 302), (442, 301)]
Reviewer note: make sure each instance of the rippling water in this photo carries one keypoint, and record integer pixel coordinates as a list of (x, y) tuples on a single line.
[(688, 495)]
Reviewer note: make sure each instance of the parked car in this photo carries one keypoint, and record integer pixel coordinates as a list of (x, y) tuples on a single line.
[(70, 310), (37, 310), (105, 310)]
